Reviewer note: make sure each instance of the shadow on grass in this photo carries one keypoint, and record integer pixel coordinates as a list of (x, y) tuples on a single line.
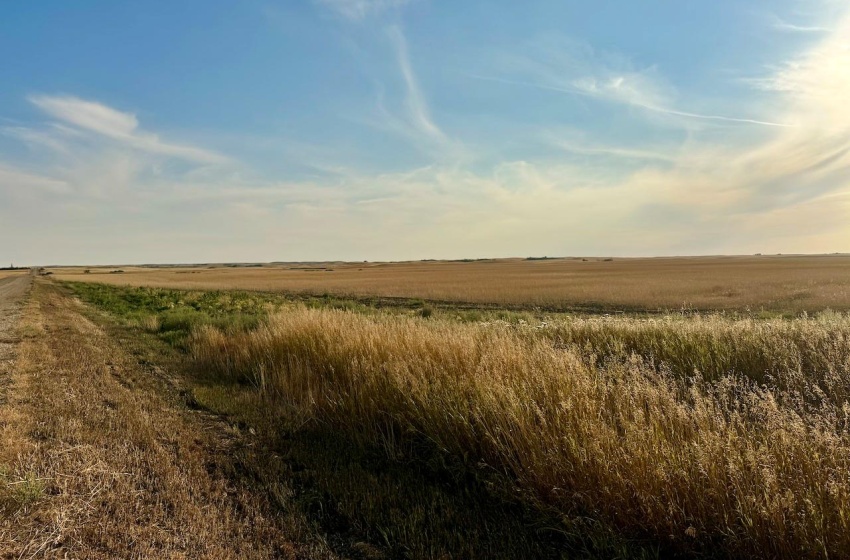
[(422, 504)]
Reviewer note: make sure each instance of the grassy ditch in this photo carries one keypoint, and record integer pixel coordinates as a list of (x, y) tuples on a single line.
[(368, 503), (173, 314)]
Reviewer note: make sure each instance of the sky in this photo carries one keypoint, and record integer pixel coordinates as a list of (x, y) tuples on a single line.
[(310, 130)]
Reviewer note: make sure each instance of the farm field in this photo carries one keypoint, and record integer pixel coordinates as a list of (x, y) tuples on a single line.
[(774, 283), (713, 435), (349, 421), (12, 273), (417, 280)]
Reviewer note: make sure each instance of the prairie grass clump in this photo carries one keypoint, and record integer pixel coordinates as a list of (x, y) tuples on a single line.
[(19, 492), (725, 437), (150, 323)]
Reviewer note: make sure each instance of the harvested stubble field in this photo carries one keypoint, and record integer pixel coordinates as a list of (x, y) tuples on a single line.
[(786, 284)]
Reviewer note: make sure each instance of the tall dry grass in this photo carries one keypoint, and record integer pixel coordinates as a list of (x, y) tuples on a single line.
[(809, 356), (711, 435)]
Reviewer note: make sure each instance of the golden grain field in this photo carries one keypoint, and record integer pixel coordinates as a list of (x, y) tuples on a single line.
[(8, 273), (775, 283)]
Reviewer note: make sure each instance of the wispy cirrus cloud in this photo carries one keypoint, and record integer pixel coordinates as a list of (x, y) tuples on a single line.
[(123, 127), (88, 151), (625, 89), (782, 25), (415, 122), (706, 193), (417, 108), (795, 167), (409, 115), (816, 82), (573, 67), (418, 114), (809, 17), (356, 10), (813, 158), (738, 189)]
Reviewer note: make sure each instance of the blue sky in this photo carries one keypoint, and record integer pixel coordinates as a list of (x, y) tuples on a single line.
[(405, 129)]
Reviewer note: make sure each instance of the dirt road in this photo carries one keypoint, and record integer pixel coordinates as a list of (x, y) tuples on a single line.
[(12, 292), (13, 287), (101, 458)]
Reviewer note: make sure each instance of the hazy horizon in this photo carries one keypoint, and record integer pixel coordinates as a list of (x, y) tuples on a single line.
[(395, 130), (27, 265)]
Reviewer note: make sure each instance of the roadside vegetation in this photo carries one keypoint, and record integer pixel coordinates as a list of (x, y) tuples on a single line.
[(720, 436), (101, 459), (367, 503), (173, 314)]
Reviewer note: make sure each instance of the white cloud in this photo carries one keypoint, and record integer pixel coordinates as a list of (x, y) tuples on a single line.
[(571, 67), (787, 189), (783, 190), (783, 25), (53, 138), (91, 157), (88, 115), (359, 9), (795, 166), (418, 111), (410, 117), (123, 127), (817, 82)]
